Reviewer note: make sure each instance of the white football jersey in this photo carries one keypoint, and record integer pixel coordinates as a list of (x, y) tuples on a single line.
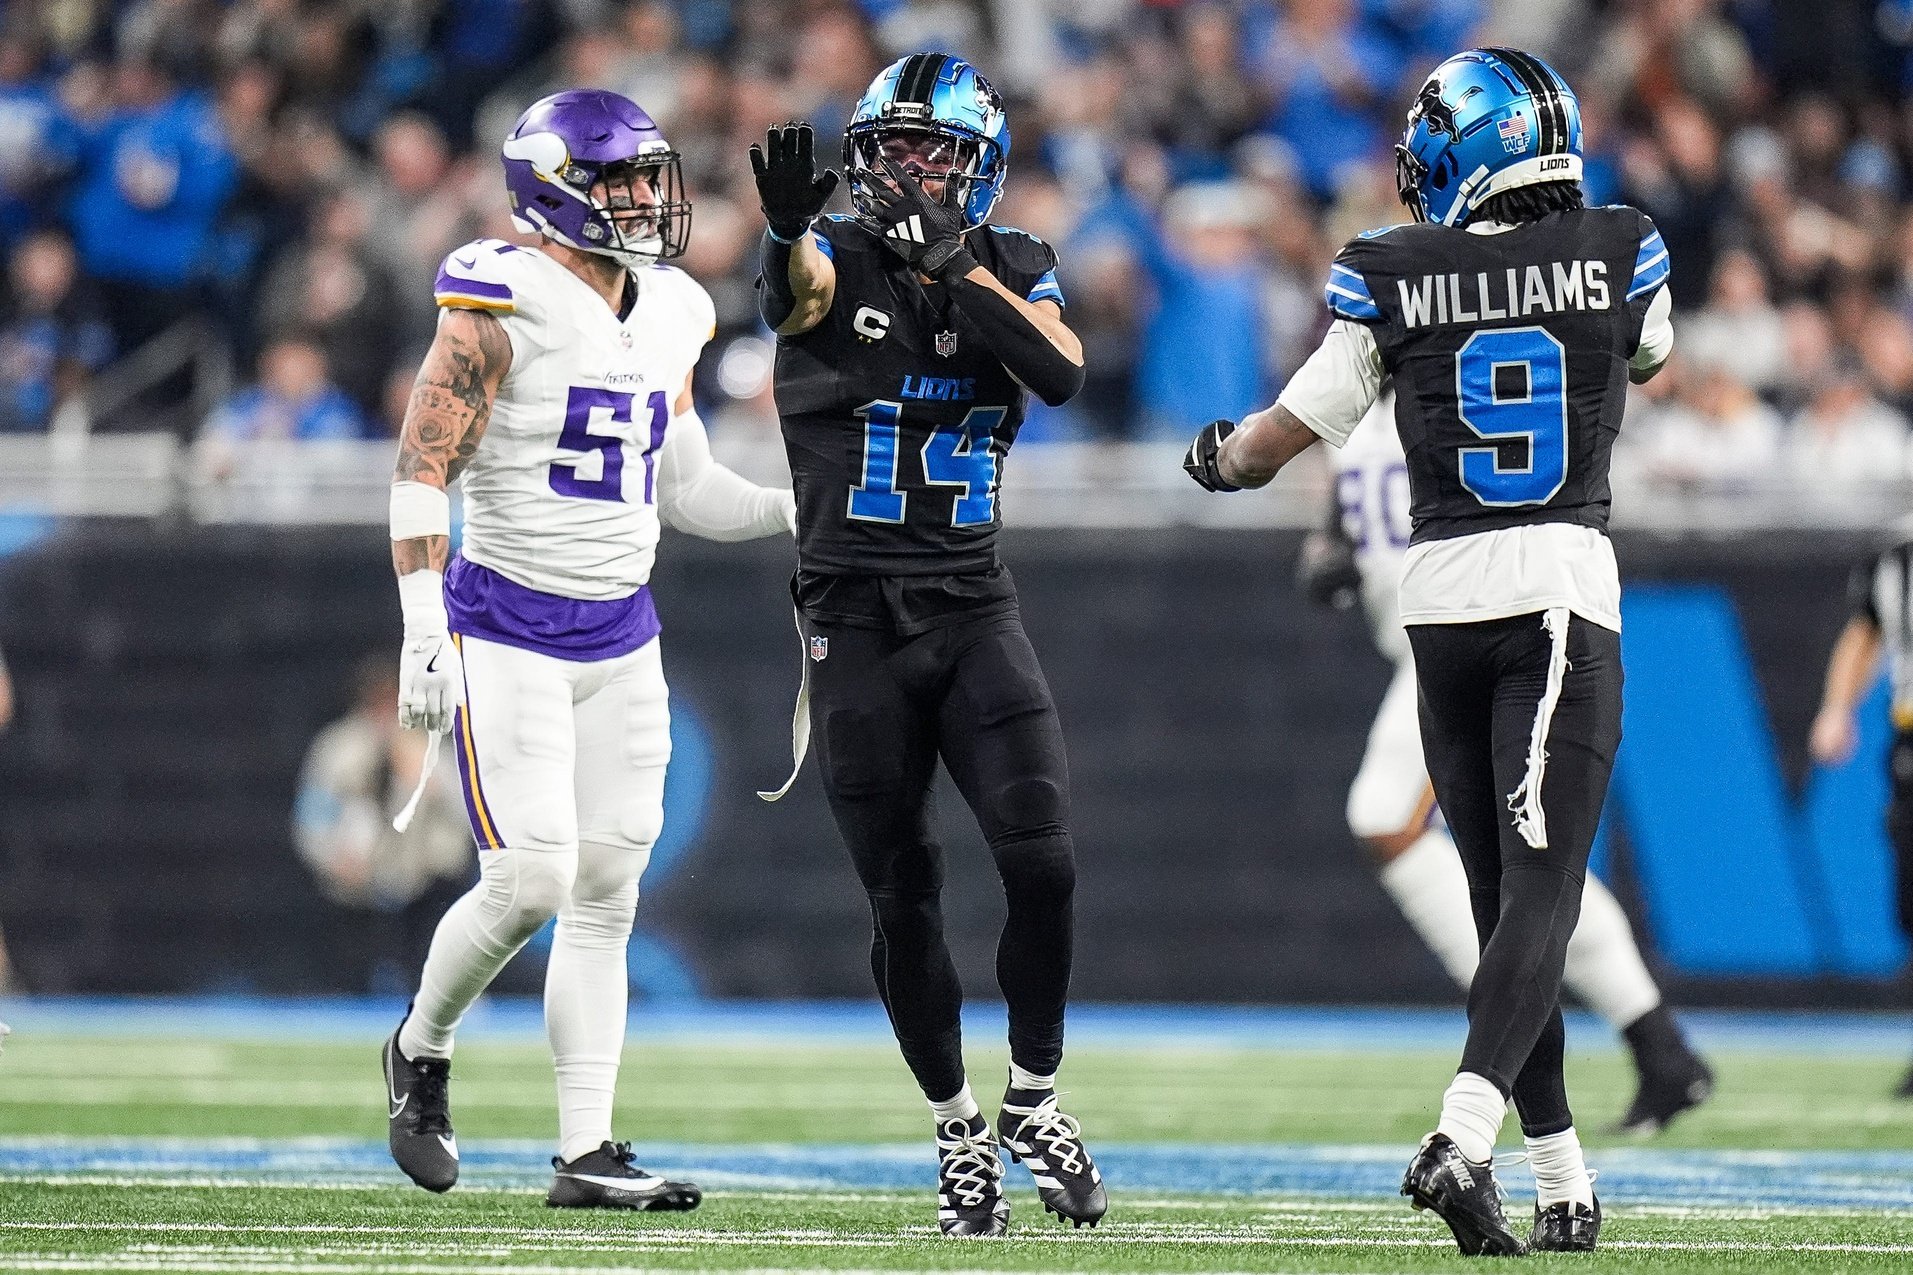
[(1371, 487), (562, 493)]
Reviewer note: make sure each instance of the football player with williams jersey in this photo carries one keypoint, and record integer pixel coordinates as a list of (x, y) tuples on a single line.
[(559, 389), (1391, 804), (1510, 319)]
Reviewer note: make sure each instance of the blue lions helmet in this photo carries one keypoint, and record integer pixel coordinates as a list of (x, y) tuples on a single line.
[(1487, 121), (938, 118)]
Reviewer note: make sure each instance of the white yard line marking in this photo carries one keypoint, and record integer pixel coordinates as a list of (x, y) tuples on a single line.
[(1258, 1235)]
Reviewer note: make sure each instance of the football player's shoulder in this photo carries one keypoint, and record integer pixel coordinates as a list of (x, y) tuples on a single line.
[(488, 274), (1651, 262), (839, 234), (686, 297), (1020, 245), (1021, 261), (1348, 291)]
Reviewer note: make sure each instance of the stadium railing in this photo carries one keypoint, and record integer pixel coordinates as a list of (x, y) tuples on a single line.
[(1107, 486)]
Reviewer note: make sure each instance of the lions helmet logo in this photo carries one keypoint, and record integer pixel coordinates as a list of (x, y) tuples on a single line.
[(1439, 116)]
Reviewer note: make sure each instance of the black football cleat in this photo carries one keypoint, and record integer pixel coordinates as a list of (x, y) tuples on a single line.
[(418, 1117), (1566, 1227), (1034, 1131), (1462, 1194), (607, 1179), (970, 1199), (1670, 1084)]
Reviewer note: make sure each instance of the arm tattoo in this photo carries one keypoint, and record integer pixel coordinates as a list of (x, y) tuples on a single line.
[(446, 418), (452, 399)]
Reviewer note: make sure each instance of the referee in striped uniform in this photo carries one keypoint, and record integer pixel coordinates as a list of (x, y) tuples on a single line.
[(1880, 598)]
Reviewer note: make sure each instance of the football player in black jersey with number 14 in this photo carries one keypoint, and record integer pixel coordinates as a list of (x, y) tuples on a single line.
[(907, 337), (1511, 319)]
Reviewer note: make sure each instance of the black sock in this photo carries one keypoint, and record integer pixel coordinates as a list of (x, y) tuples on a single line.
[(1655, 1037)]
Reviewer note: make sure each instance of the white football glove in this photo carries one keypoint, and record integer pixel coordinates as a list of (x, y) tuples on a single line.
[(431, 682), (431, 676)]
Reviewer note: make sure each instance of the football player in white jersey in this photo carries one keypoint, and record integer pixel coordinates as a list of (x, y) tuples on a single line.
[(559, 387), (1391, 804)]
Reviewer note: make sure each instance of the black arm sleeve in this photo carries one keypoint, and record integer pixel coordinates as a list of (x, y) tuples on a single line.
[(1029, 355), (775, 300), (1860, 603)]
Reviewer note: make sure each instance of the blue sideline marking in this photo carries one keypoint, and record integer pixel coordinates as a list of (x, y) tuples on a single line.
[(1324, 1029), (1730, 1179)]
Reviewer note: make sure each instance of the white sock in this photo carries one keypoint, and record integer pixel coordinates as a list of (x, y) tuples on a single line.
[(517, 891), (587, 985), (962, 1106), (1560, 1173), (1428, 885), (1020, 1079), (1604, 967), (1471, 1113)]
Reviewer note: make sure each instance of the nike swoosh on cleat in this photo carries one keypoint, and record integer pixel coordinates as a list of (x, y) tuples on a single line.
[(450, 1143), (398, 1106), (617, 1184)]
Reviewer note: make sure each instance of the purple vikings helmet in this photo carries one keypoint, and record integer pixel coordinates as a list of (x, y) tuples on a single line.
[(569, 143)]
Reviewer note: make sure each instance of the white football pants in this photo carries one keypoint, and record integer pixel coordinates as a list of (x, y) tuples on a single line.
[(562, 764)]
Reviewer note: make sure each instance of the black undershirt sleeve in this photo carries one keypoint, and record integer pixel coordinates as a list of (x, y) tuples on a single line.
[(1860, 603), (1030, 356), (775, 300)]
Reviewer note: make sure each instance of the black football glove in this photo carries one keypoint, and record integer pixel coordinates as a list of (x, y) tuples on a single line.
[(1326, 571), (923, 231), (1201, 459), (789, 188)]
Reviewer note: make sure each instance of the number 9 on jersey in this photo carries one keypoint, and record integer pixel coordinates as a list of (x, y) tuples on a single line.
[(1512, 386)]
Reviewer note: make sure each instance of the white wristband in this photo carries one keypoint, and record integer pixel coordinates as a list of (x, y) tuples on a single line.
[(422, 603), (420, 509)]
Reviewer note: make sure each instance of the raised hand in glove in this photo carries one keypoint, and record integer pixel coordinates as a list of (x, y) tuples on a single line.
[(925, 232), (789, 188), (1201, 459)]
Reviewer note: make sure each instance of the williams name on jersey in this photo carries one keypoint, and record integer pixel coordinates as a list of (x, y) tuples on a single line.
[(897, 416), (1509, 349)]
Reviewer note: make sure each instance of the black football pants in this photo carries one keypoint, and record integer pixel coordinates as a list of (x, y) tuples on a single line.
[(884, 708), (1899, 825), (1482, 686)]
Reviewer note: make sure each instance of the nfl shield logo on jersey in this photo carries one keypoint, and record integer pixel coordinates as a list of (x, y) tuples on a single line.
[(946, 344), (819, 647)]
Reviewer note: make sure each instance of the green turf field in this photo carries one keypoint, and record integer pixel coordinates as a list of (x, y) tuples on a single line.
[(306, 1191)]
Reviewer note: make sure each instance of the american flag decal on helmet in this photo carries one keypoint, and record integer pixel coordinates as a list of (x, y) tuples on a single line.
[(1514, 133)]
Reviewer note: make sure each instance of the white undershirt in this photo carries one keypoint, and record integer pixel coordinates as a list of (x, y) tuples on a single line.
[(1488, 575)]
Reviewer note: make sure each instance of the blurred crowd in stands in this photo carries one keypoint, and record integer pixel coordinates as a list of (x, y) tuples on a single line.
[(282, 176)]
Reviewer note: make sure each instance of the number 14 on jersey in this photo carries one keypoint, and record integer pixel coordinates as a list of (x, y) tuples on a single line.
[(961, 455)]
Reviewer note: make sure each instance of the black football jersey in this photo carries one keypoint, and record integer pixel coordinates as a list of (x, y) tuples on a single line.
[(896, 416), (1508, 353)]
